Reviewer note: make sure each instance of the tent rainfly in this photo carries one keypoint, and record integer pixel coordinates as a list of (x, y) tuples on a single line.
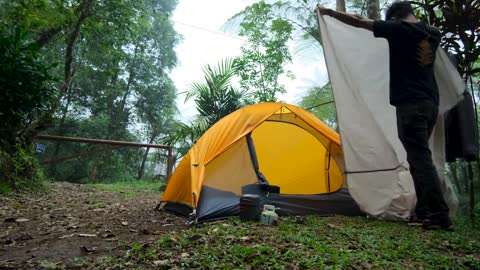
[(376, 167), (253, 149)]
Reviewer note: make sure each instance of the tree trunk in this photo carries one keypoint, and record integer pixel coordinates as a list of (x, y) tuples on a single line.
[(111, 112), (373, 9), (341, 6), (465, 177), (92, 178), (476, 120), (141, 171), (61, 132), (106, 162), (129, 83), (111, 96), (84, 11), (116, 115), (453, 167), (472, 192)]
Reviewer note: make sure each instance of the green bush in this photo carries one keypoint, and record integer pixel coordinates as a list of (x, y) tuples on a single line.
[(26, 87), (27, 91), (20, 172)]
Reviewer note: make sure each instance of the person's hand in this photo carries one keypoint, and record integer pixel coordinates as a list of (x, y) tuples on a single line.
[(325, 11)]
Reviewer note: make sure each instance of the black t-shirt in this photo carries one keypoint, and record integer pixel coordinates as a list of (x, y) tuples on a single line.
[(412, 48)]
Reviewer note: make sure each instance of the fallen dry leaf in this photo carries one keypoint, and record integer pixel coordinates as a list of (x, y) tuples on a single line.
[(160, 262), (87, 235), (21, 220), (67, 236)]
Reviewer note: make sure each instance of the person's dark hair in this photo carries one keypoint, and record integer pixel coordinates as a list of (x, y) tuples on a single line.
[(399, 10)]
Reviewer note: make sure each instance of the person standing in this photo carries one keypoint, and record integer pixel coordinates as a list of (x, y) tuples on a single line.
[(414, 93)]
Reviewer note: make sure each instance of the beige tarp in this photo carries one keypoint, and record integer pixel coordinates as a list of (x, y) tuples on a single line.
[(376, 167)]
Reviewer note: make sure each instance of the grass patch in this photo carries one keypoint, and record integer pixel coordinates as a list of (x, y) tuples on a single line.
[(310, 243), (100, 203), (77, 262), (45, 264), (131, 188), (22, 187)]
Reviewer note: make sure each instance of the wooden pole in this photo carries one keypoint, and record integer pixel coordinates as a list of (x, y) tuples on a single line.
[(117, 143), (99, 141)]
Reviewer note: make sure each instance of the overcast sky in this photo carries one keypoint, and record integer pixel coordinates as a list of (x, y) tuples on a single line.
[(204, 42)]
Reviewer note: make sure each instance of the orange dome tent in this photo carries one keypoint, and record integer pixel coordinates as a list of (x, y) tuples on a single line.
[(259, 146)]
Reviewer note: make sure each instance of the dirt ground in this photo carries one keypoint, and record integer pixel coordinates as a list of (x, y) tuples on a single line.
[(73, 222)]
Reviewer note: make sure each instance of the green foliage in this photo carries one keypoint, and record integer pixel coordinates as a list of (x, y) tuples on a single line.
[(300, 14), (38, 16), (185, 135), (26, 91), (45, 264), (20, 172), (77, 261), (26, 87), (216, 97), (319, 101), (458, 22), (263, 59)]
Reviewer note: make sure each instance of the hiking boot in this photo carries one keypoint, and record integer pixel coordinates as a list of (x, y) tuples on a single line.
[(432, 224)]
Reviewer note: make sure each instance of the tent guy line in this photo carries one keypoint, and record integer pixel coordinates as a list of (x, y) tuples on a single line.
[(378, 170), (210, 31)]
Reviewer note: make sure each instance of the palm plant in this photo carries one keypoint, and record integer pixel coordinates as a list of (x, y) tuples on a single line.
[(216, 97)]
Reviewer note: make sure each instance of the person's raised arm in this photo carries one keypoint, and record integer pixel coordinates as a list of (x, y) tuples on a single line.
[(350, 19)]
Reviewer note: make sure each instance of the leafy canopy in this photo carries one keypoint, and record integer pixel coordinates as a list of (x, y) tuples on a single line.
[(265, 55)]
